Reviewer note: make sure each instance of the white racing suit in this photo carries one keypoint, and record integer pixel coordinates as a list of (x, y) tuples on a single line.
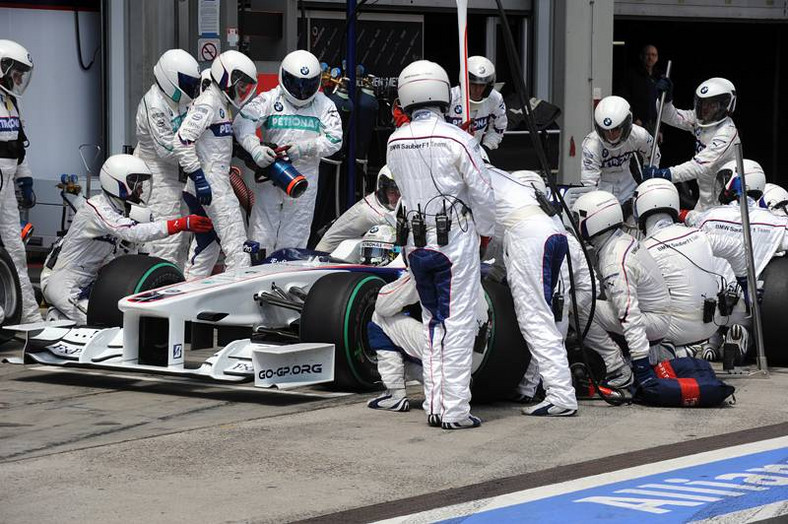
[(608, 169), (401, 360), (489, 117), (440, 165), (714, 145), (99, 233), (205, 139), (685, 257), (277, 220), (356, 221), (11, 169), (158, 119), (535, 247), (638, 303)]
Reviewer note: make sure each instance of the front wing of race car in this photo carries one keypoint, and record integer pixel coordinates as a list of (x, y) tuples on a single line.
[(153, 338)]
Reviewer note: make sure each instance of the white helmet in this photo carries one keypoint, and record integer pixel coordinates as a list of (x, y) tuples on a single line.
[(597, 212), (728, 184), (16, 68), (530, 179), (613, 114), (715, 99), (299, 76), (481, 71), (386, 190), (178, 75), (236, 76), (655, 195), (124, 177), (377, 246), (775, 199), (423, 83)]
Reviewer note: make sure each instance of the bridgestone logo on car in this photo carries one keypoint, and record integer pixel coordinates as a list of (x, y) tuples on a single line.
[(284, 371)]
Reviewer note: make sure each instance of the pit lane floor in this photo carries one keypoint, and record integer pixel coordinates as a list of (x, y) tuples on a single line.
[(104, 447)]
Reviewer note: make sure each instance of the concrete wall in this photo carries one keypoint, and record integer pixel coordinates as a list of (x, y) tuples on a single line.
[(582, 72)]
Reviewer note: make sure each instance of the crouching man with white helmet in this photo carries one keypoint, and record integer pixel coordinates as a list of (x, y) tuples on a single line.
[(159, 116), (638, 302), (769, 234), (374, 209), (686, 258), (110, 224), (488, 110), (448, 202), (609, 148), (715, 135), (305, 125), (204, 146)]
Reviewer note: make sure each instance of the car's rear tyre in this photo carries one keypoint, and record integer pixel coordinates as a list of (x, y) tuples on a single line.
[(10, 295), (126, 276), (337, 310), (506, 356), (773, 308)]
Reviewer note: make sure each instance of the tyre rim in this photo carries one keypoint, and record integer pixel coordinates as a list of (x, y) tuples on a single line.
[(8, 295), (478, 359), (357, 355)]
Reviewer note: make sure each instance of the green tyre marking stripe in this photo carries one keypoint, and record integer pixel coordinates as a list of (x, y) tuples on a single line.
[(491, 339), (151, 270), (347, 323)]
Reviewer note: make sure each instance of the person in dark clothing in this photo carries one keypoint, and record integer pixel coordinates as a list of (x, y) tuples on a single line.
[(639, 88)]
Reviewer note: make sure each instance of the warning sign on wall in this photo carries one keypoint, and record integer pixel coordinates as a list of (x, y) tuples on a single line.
[(208, 49)]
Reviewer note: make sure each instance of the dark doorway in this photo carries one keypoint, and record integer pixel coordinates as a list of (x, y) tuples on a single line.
[(752, 55)]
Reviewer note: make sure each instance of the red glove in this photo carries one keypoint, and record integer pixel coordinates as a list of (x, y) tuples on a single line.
[(400, 118), (194, 223), (467, 126), (683, 215)]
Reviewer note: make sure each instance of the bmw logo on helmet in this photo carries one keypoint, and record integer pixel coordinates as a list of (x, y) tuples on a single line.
[(29, 58), (278, 105), (482, 70), (458, 109), (607, 121), (305, 70), (704, 90)]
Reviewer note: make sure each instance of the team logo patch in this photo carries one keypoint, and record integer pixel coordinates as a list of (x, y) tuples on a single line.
[(607, 121), (278, 106), (373, 229), (305, 70), (704, 90), (221, 113), (458, 109), (605, 153)]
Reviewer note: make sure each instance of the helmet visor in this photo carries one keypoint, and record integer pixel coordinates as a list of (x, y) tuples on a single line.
[(15, 76), (300, 88), (711, 110), (726, 186), (388, 193), (190, 85), (377, 253), (478, 92), (242, 87), (139, 187)]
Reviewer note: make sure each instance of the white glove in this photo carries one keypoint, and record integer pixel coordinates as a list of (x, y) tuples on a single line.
[(573, 193), (263, 155), (303, 149)]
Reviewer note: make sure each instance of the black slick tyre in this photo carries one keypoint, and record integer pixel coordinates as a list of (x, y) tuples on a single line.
[(126, 276), (773, 308), (337, 310), (10, 295)]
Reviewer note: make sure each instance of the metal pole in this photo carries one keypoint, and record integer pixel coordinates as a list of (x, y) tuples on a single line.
[(659, 118), (752, 282), (351, 132)]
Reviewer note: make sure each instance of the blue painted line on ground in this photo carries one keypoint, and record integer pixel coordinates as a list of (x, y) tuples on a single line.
[(749, 481)]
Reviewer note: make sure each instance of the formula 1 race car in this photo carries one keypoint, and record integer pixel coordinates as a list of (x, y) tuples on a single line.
[(299, 318)]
